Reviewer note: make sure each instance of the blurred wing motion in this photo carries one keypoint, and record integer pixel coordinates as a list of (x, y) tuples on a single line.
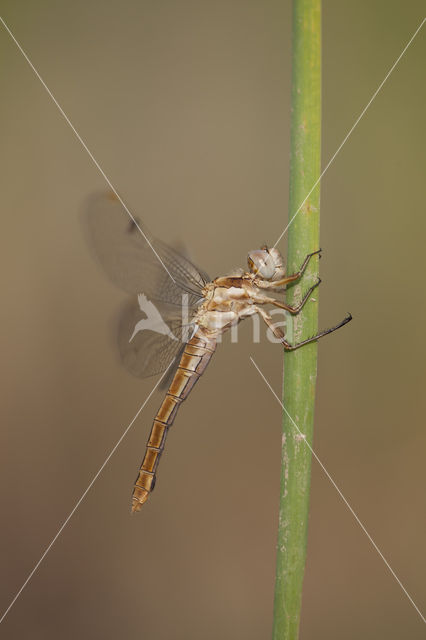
[(153, 327)]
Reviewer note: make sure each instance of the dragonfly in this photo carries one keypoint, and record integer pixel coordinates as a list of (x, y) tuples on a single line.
[(155, 336)]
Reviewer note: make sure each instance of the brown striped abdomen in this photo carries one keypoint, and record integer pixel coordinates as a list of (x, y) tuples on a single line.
[(193, 362)]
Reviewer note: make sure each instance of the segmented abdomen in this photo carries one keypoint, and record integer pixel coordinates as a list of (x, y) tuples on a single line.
[(193, 362)]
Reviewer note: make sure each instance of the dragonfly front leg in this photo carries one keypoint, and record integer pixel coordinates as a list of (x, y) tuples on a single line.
[(265, 284), (291, 347)]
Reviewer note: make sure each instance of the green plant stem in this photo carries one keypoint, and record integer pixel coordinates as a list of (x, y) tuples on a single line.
[(300, 366)]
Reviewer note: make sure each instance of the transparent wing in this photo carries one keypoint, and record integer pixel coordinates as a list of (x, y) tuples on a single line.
[(152, 328), (134, 260), (148, 347)]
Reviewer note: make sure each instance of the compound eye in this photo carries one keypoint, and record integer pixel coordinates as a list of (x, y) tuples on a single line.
[(261, 263)]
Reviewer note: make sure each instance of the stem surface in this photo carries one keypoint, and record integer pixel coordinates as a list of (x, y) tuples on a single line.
[(300, 366)]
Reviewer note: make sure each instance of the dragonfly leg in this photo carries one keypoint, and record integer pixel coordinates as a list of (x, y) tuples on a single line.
[(294, 276), (298, 307), (292, 347), (278, 333)]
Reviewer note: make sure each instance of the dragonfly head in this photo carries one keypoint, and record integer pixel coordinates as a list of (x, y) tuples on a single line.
[(266, 263)]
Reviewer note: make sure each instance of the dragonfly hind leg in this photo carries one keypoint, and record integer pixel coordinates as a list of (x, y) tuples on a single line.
[(278, 333)]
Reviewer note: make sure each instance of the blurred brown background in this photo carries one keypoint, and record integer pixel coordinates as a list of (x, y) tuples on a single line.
[(186, 107)]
